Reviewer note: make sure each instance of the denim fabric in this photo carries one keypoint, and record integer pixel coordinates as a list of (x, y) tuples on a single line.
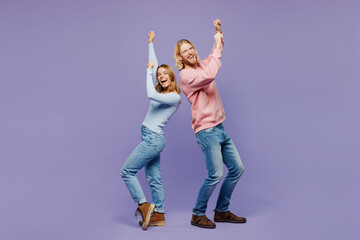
[(146, 154), (218, 148)]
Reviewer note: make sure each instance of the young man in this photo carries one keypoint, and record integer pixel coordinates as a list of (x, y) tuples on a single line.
[(197, 83)]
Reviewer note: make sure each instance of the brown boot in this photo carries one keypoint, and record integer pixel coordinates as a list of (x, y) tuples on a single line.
[(202, 221), (157, 219), (228, 217), (146, 209)]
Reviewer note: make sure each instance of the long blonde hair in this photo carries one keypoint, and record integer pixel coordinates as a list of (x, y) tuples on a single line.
[(179, 64), (173, 84)]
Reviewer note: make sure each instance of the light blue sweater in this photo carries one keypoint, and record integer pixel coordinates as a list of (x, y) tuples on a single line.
[(162, 106)]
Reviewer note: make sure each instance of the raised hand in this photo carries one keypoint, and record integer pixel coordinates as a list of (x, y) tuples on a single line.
[(151, 36), (218, 37), (217, 25), (150, 64)]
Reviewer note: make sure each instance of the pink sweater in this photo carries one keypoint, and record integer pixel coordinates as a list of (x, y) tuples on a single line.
[(200, 89)]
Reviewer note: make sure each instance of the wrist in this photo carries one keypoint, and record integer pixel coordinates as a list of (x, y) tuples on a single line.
[(217, 45)]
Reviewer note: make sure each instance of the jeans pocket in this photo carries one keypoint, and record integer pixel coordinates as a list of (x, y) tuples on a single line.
[(201, 140), (160, 144), (155, 142)]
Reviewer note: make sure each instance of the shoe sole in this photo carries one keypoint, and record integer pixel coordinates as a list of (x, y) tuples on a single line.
[(229, 221), (148, 215), (158, 223), (203, 226)]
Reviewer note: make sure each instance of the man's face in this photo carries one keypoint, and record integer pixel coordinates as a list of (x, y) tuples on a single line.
[(188, 55)]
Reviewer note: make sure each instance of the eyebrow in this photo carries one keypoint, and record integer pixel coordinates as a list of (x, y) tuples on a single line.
[(191, 47)]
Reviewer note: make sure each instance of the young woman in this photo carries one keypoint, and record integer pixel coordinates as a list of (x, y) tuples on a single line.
[(164, 101)]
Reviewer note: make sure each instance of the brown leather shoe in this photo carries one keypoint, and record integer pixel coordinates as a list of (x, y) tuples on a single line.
[(157, 219), (146, 209), (228, 217), (202, 221)]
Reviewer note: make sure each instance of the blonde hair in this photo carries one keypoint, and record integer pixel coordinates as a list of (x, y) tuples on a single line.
[(179, 64), (173, 84)]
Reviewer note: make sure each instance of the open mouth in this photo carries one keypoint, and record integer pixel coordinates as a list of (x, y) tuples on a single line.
[(191, 57), (163, 81)]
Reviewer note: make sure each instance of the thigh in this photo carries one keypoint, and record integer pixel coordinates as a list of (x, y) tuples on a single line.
[(231, 155), (210, 143), (140, 156)]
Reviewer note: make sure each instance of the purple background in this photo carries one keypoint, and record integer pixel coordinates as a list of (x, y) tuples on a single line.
[(72, 100)]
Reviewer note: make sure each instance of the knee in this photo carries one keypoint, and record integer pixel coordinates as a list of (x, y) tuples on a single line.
[(238, 171), (154, 181), (153, 175), (216, 176), (125, 172), (151, 178)]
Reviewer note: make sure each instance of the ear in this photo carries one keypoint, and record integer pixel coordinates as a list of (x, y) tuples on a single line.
[(179, 57)]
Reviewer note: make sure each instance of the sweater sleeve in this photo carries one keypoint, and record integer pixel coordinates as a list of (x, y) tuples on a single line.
[(197, 79), (168, 98), (152, 57), (207, 60)]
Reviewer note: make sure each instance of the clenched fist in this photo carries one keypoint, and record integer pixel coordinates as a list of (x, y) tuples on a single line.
[(151, 37), (217, 25)]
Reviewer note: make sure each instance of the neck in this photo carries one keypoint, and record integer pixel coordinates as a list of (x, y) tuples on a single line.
[(190, 66)]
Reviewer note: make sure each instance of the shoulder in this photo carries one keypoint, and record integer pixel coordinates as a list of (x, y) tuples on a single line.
[(175, 96), (189, 71), (187, 75), (172, 94)]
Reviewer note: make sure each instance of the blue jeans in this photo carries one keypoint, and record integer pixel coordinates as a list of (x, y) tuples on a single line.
[(218, 148), (146, 154)]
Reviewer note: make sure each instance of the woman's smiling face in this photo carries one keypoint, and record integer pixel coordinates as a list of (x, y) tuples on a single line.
[(163, 78)]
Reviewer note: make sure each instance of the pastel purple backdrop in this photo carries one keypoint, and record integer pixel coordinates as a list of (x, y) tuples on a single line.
[(72, 100)]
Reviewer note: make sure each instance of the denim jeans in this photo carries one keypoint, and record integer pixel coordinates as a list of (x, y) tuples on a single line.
[(146, 154), (218, 148)]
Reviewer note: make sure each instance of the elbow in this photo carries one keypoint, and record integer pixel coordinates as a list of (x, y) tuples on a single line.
[(151, 95), (212, 75)]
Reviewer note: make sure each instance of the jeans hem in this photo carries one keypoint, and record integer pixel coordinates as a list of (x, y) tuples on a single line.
[(221, 210), (198, 213), (159, 210), (141, 201)]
